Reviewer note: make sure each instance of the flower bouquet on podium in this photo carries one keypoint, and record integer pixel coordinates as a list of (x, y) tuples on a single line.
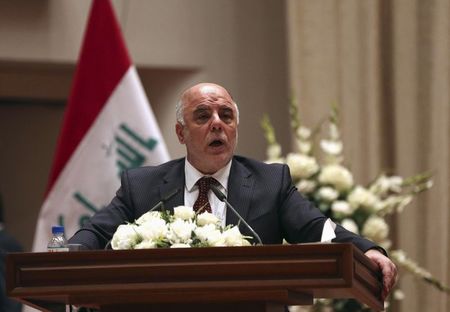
[(182, 229)]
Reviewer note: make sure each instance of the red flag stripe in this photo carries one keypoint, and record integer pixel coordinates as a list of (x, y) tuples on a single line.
[(104, 59)]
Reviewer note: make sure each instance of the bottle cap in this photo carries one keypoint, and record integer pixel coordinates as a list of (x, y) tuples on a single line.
[(57, 229)]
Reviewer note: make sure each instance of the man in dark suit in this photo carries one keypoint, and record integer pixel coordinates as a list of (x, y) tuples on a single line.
[(207, 123), (7, 244)]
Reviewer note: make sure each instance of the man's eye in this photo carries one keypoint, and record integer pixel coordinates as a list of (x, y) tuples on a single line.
[(228, 116), (202, 116)]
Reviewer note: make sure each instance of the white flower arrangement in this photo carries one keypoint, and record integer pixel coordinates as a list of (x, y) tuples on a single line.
[(183, 229), (331, 187)]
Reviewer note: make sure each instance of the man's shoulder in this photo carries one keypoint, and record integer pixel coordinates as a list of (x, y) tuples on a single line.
[(8, 243), (257, 166), (159, 170)]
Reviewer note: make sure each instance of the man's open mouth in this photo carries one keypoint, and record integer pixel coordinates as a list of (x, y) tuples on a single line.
[(216, 143)]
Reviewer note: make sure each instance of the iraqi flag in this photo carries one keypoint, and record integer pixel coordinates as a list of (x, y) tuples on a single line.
[(108, 126)]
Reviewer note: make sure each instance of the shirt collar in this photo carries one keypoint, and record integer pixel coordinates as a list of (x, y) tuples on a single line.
[(192, 175)]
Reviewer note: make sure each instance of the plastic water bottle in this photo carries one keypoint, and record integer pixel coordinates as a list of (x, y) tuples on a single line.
[(58, 241)]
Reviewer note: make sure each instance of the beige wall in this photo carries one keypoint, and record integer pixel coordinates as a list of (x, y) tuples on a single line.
[(174, 43)]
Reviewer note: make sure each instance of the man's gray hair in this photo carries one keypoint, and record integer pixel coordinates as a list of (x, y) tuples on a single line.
[(179, 112), (179, 109)]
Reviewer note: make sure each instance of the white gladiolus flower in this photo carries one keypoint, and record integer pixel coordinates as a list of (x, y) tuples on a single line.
[(376, 229), (337, 176), (331, 147), (395, 184), (184, 212), (399, 295), (334, 131), (304, 147), (385, 184), (361, 197), (306, 186), (399, 255), (350, 225), (304, 133), (206, 218), (404, 202), (125, 237), (380, 186), (327, 193), (393, 202), (342, 208), (153, 229), (180, 231), (386, 206), (429, 184), (274, 151), (301, 166)]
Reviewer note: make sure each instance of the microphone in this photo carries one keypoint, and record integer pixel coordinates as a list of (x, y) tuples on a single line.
[(164, 199), (221, 196)]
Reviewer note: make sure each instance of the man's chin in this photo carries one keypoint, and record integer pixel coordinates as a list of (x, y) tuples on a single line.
[(215, 162)]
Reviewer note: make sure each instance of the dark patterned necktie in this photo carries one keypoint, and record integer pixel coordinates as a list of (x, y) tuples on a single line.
[(202, 202)]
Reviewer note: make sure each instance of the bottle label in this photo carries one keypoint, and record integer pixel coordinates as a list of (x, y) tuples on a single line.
[(57, 249)]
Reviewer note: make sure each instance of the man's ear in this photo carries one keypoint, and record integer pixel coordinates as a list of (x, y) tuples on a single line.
[(179, 131)]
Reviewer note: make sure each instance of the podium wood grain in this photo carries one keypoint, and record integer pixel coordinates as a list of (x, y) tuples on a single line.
[(257, 278)]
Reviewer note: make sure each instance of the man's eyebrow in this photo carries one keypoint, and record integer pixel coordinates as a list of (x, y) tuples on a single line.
[(201, 107)]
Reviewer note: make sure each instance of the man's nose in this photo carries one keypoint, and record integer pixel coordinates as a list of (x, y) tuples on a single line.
[(216, 122)]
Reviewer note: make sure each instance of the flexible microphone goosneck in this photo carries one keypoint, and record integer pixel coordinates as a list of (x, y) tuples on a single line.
[(221, 196), (164, 199)]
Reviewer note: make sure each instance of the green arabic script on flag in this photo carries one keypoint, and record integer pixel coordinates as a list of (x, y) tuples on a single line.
[(130, 150)]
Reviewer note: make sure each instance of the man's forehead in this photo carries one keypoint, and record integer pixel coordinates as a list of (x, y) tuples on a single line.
[(205, 94), (210, 98), (211, 106), (208, 89)]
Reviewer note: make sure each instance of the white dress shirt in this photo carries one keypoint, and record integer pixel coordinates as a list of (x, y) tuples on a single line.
[(191, 189)]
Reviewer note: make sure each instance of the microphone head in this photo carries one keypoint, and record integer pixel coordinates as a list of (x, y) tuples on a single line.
[(221, 196)]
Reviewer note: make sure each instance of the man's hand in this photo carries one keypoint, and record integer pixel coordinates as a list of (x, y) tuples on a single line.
[(388, 269)]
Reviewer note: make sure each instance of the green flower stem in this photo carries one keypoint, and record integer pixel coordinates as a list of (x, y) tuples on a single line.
[(412, 267), (269, 132)]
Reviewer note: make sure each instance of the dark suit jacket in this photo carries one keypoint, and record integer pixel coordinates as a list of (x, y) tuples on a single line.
[(7, 244), (262, 193)]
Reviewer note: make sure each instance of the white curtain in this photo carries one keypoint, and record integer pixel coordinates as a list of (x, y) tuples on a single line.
[(386, 64)]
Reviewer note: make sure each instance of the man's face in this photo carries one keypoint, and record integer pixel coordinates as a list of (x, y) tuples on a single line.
[(210, 129)]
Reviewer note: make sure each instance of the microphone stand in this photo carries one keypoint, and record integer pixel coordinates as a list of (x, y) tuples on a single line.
[(221, 196)]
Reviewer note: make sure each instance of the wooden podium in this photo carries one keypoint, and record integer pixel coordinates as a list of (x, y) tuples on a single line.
[(257, 278)]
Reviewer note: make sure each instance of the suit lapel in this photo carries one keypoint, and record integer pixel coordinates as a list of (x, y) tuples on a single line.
[(240, 189), (173, 180)]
